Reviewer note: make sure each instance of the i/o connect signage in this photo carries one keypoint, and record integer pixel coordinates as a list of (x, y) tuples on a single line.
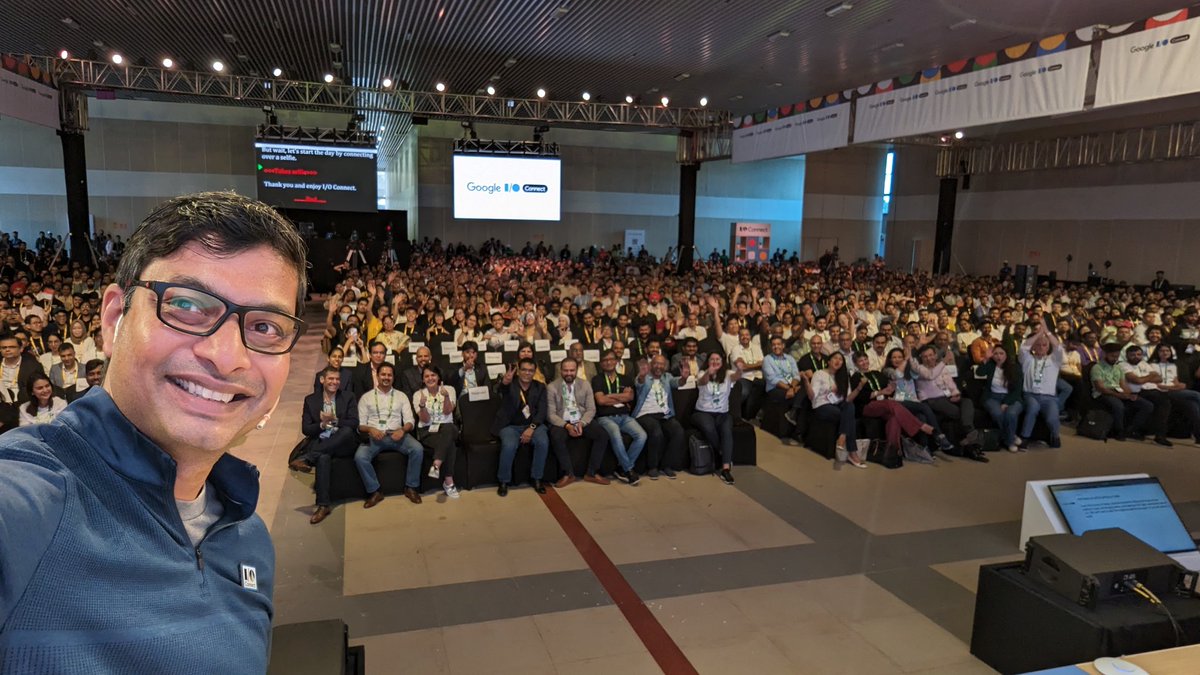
[(506, 188), (496, 188)]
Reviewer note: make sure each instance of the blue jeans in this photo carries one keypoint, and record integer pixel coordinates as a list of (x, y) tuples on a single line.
[(613, 425), (841, 414), (408, 446), (1007, 420), (717, 429), (510, 440), (1188, 400), (1047, 405), (1062, 392)]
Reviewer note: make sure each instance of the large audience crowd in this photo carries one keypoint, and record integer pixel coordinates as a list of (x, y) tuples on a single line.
[(947, 365)]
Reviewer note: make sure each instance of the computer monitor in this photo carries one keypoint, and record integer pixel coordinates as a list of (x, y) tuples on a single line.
[(1137, 505)]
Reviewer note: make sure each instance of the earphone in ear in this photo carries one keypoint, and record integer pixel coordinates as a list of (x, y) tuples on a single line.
[(266, 418)]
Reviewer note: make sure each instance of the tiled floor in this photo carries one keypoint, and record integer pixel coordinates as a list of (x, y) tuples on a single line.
[(799, 568)]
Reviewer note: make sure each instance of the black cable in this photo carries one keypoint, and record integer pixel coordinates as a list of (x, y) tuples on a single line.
[(1140, 588)]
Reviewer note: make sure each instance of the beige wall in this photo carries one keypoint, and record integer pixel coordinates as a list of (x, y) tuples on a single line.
[(843, 202)]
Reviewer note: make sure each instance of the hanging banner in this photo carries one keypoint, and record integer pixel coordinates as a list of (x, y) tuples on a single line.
[(26, 93), (1039, 79), (809, 126), (1154, 58), (750, 242)]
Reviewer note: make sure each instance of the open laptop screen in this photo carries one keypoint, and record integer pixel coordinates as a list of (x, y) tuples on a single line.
[(1137, 505)]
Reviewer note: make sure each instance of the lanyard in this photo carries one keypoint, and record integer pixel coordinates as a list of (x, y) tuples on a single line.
[(331, 406), (612, 386), (1092, 354), (524, 401), (818, 361), (1039, 369), (569, 401), (589, 335), (391, 403), (660, 398), (873, 381)]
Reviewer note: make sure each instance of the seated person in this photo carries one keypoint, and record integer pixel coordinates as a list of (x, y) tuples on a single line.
[(521, 420), (689, 352), (43, 405), (1111, 390), (586, 370), (65, 375), (94, 374), (410, 378), (832, 399), (1181, 397), (470, 373), (330, 423), (525, 351), (877, 399), (1004, 395), (614, 400), (335, 359), (1042, 357), (366, 375), (1142, 379), (748, 357), (712, 416), (436, 430), (386, 417), (936, 389), (784, 384), (571, 413), (654, 412)]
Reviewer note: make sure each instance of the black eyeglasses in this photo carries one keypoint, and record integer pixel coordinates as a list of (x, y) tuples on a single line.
[(196, 312)]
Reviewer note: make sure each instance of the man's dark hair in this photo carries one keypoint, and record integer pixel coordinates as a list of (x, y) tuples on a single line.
[(330, 370), (223, 223), (374, 344), (93, 364), (66, 346), (527, 362), (385, 366), (470, 346)]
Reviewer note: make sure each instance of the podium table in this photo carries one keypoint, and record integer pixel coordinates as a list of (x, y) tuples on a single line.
[(1021, 626)]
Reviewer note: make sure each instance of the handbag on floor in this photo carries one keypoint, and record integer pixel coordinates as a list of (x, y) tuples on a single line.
[(701, 455), (915, 452), (879, 452), (1095, 424)]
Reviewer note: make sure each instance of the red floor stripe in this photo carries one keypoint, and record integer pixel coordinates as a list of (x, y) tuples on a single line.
[(658, 642)]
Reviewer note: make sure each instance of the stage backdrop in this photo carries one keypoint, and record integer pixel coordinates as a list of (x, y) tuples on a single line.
[(1029, 80), (821, 123), (1153, 58)]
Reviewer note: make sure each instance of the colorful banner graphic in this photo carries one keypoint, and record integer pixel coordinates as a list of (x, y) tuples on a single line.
[(26, 93), (1030, 80), (750, 242), (810, 126), (1149, 59)]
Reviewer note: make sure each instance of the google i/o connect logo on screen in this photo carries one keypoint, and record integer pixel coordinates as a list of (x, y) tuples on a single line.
[(496, 188)]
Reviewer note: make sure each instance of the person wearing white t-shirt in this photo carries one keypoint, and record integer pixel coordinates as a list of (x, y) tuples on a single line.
[(386, 416), (747, 355), (1187, 400), (435, 426), (1143, 379), (712, 416), (1041, 358), (43, 405), (833, 402)]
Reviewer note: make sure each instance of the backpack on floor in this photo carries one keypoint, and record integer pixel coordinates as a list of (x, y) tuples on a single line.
[(701, 455), (989, 440), (880, 453), (1095, 424)]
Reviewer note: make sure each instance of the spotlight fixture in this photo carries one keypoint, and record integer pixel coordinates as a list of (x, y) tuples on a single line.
[(491, 91), (64, 55), (629, 99), (778, 35), (218, 66), (440, 86), (387, 83), (587, 96), (703, 101), (383, 128), (541, 93), (665, 101), (328, 78), (277, 72), (118, 59), (959, 135), (838, 9), (168, 63)]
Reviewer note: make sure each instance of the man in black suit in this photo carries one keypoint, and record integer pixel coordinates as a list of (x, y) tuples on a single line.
[(521, 420), (364, 379), (330, 423), (16, 369), (410, 378), (469, 373), (94, 372)]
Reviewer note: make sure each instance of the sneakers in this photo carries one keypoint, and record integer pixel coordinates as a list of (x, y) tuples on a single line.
[(944, 443), (670, 473), (633, 478), (1162, 440), (622, 475), (726, 476), (652, 473), (1056, 442), (971, 438), (451, 491), (1014, 448), (435, 471), (790, 416)]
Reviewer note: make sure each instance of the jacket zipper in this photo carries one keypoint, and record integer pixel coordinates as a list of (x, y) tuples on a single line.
[(199, 559)]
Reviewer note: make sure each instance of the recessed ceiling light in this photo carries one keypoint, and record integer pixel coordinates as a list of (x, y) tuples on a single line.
[(510, 62), (168, 63), (440, 86), (335, 48), (229, 37), (587, 96), (277, 72), (682, 76), (962, 24), (243, 57), (70, 23), (218, 66), (778, 35), (894, 45), (387, 83), (491, 91), (737, 97), (117, 59), (838, 9), (703, 101), (776, 84), (382, 128), (328, 78), (561, 12)]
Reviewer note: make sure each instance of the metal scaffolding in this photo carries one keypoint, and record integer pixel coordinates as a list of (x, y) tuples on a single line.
[(704, 145), (335, 97), (1180, 140)]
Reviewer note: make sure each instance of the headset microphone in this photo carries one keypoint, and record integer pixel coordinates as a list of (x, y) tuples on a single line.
[(267, 418)]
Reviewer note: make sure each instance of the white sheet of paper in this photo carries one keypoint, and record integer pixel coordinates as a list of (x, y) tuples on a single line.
[(493, 357), (482, 345), (496, 370), (456, 357), (541, 345), (512, 345), (414, 346), (449, 348), (478, 394), (557, 355), (592, 355)]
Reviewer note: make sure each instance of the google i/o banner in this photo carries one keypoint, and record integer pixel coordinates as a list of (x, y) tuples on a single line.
[(27, 92), (1029, 80), (809, 126), (1154, 58)]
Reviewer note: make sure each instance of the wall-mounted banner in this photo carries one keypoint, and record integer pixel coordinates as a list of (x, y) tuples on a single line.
[(26, 93), (1048, 77), (1154, 58), (750, 242), (808, 126)]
